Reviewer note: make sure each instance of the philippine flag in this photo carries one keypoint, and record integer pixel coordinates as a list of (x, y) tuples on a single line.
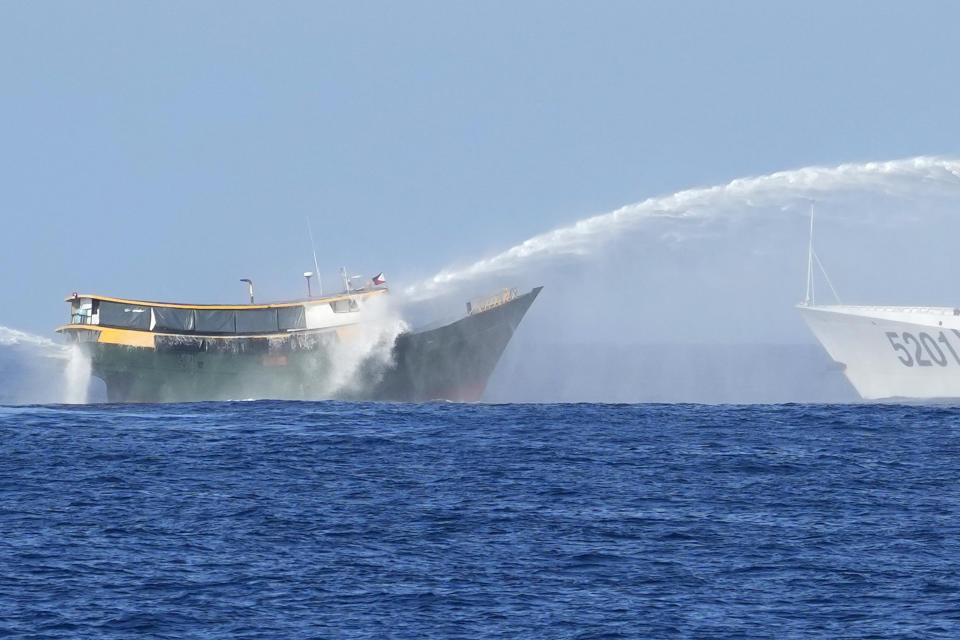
[(379, 279)]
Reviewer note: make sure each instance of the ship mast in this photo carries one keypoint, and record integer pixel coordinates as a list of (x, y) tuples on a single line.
[(808, 300), (316, 267)]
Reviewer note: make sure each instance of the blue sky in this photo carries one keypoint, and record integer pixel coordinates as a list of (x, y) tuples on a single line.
[(165, 150)]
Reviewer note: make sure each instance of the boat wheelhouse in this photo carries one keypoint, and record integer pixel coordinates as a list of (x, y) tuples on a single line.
[(141, 324)]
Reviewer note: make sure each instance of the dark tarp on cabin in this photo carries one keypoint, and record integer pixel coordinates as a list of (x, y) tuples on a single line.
[(124, 316), (291, 318), (257, 321), (171, 319), (215, 321)]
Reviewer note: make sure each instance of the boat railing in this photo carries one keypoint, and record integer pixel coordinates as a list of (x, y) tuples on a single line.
[(946, 311)]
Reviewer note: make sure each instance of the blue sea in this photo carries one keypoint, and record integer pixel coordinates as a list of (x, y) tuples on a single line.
[(337, 520)]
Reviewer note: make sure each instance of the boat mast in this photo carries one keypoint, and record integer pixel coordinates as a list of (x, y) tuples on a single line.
[(316, 267), (808, 300)]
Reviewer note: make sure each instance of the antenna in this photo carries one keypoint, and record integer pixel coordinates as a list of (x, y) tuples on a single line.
[(808, 300), (307, 275), (316, 267)]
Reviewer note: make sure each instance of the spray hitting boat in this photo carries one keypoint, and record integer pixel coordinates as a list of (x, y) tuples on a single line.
[(318, 347), (887, 352)]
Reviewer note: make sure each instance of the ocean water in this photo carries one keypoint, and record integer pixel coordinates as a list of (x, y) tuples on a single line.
[(336, 520)]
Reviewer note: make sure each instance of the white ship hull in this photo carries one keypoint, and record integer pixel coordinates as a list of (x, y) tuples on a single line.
[(892, 352)]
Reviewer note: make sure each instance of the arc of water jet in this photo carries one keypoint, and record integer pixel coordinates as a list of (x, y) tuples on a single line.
[(890, 176)]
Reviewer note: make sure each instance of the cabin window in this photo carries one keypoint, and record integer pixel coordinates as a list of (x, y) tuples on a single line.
[(257, 321), (345, 305), (81, 311)]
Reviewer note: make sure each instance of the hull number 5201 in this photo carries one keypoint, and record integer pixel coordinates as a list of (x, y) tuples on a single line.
[(923, 350)]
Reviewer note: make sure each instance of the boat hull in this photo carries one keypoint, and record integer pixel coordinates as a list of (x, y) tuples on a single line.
[(452, 362), (892, 352)]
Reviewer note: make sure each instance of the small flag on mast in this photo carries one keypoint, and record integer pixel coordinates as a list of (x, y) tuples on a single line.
[(379, 279)]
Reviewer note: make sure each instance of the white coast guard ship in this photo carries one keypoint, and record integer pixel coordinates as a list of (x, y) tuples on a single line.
[(888, 352), (892, 352)]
